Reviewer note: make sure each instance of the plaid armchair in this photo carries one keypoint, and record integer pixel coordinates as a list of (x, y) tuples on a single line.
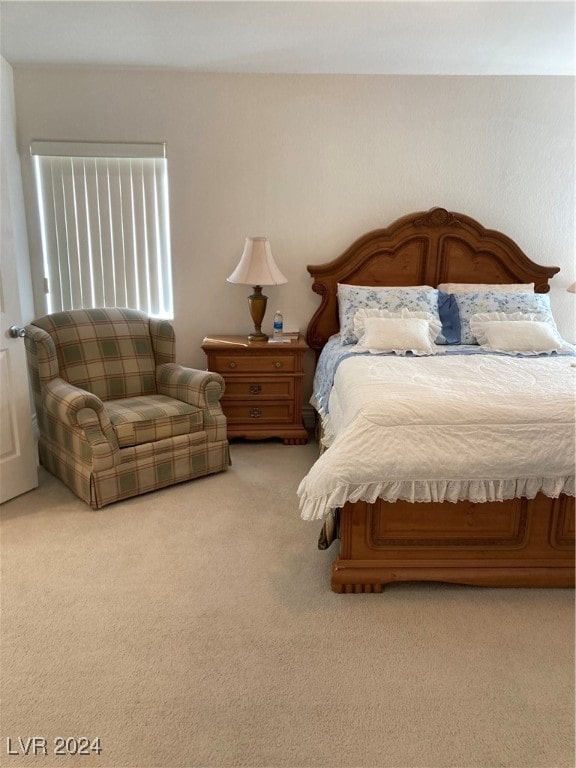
[(117, 417)]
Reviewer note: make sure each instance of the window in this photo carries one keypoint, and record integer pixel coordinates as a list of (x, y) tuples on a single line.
[(105, 228)]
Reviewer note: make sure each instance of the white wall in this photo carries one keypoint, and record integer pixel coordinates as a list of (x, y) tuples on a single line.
[(313, 162)]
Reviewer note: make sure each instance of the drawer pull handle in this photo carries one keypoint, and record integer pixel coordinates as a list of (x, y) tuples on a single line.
[(255, 413), (232, 364), (278, 364), (255, 389)]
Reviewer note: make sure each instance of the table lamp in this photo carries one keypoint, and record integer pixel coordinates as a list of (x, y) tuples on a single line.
[(257, 268)]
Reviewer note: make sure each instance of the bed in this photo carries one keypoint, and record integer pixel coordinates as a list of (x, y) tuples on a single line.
[(490, 528)]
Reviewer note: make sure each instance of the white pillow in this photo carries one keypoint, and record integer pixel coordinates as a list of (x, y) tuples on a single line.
[(399, 332), (517, 333), (527, 337), (477, 287)]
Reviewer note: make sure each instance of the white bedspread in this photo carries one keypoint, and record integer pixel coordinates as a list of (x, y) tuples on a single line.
[(481, 427)]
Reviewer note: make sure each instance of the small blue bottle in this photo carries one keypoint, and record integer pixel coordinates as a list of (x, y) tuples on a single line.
[(278, 326)]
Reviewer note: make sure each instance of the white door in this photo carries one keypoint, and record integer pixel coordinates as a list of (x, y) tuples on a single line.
[(18, 466)]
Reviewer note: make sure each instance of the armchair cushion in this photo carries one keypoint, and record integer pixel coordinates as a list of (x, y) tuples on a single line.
[(138, 420)]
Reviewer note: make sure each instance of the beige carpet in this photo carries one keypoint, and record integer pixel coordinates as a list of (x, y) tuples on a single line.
[(196, 627)]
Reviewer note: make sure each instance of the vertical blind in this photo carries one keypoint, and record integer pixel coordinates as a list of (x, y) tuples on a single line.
[(105, 225)]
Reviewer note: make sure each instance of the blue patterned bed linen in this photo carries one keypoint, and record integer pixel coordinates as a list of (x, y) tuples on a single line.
[(334, 352)]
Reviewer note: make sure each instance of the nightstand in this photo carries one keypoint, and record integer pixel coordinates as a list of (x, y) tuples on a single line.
[(263, 396)]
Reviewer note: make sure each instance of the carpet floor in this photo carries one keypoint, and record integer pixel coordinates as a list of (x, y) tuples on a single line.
[(195, 626)]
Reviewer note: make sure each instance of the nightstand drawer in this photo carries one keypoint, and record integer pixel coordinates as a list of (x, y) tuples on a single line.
[(261, 413), (231, 363), (261, 388)]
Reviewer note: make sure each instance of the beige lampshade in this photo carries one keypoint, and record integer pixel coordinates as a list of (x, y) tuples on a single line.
[(256, 265), (571, 288)]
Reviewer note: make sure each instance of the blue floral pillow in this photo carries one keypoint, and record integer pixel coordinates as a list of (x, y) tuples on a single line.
[(351, 298), (498, 301)]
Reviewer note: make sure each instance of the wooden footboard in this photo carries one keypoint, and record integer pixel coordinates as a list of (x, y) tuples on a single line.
[(515, 543)]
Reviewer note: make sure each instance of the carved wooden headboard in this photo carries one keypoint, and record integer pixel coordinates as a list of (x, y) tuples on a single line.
[(424, 248)]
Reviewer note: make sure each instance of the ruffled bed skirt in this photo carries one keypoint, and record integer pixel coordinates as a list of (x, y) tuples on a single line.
[(477, 491)]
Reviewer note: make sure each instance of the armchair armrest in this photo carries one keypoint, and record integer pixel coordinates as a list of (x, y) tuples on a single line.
[(200, 388), (84, 414), (64, 401)]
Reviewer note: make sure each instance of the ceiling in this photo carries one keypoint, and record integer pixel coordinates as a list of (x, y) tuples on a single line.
[(307, 36)]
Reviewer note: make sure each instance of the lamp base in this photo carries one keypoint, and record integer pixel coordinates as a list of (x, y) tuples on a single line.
[(257, 337), (257, 303)]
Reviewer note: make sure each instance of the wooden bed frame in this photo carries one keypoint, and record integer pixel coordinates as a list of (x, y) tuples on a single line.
[(516, 543)]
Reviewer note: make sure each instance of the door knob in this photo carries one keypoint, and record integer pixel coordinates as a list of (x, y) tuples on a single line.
[(16, 332)]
